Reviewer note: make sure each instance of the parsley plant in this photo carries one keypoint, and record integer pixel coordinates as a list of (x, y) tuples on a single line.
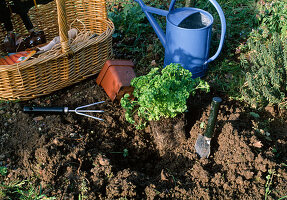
[(160, 93)]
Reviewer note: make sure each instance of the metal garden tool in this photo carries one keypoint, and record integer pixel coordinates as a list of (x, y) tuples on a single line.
[(202, 145), (62, 110)]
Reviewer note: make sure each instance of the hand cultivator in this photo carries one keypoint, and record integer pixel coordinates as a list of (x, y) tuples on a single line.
[(62, 110)]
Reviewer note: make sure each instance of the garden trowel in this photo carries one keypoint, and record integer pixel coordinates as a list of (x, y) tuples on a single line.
[(202, 145)]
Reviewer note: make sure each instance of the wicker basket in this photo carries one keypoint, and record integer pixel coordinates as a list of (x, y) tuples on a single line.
[(73, 63)]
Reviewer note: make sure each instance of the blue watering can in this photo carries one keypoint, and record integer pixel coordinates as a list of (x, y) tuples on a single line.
[(188, 35)]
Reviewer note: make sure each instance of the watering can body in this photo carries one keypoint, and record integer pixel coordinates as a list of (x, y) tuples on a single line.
[(188, 35)]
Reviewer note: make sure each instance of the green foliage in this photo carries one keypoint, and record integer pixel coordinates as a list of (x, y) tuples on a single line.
[(255, 115), (161, 93), (22, 190), (129, 20), (265, 56), (247, 22), (227, 76), (125, 153), (240, 20), (266, 77), (225, 73), (272, 20), (202, 125), (83, 190), (3, 171), (281, 198), (134, 38), (269, 179), (272, 15)]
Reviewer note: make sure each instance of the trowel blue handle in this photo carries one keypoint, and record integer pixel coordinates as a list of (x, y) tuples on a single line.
[(223, 30)]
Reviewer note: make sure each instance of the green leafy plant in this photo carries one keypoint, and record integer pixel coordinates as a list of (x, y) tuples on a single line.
[(273, 17), (3, 171), (266, 76), (269, 179), (22, 190), (161, 93), (83, 190), (202, 125), (255, 115), (281, 198), (272, 20), (129, 19)]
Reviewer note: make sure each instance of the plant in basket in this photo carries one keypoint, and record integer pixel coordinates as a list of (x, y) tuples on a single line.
[(160, 94)]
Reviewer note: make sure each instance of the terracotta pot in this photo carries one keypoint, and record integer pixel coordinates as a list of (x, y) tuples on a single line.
[(115, 78)]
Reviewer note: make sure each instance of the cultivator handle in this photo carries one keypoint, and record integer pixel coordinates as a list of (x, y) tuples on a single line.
[(50, 110)]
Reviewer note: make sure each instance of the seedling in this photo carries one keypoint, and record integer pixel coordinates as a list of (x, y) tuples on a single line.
[(22, 190), (269, 179), (3, 171), (255, 115), (125, 152), (83, 190), (109, 175), (276, 152), (172, 176), (202, 125), (281, 198)]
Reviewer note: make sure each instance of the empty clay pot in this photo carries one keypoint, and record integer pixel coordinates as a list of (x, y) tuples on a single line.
[(115, 78)]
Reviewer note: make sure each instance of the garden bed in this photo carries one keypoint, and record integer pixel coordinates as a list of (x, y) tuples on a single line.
[(72, 156), (75, 157)]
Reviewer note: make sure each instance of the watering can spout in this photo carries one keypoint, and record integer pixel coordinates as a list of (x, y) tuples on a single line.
[(158, 30)]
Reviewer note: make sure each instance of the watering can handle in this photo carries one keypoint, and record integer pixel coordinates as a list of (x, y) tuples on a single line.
[(223, 30), (223, 27)]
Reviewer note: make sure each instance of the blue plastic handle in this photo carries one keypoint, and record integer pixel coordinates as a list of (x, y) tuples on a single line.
[(223, 30)]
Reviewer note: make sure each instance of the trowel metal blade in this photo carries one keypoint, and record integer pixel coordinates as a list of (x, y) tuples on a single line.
[(202, 146)]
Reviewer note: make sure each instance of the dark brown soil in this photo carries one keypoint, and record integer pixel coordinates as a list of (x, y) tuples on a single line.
[(72, 155)]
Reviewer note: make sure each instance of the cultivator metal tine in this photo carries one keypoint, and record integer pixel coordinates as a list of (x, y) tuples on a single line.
[(83, 112)]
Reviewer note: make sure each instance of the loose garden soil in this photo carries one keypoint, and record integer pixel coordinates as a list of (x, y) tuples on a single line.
[(70, 154)]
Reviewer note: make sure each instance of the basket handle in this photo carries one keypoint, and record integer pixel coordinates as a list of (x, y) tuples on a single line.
[(63, 27)]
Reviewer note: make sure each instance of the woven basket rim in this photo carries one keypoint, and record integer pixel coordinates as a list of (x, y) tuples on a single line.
[(110, 29)]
